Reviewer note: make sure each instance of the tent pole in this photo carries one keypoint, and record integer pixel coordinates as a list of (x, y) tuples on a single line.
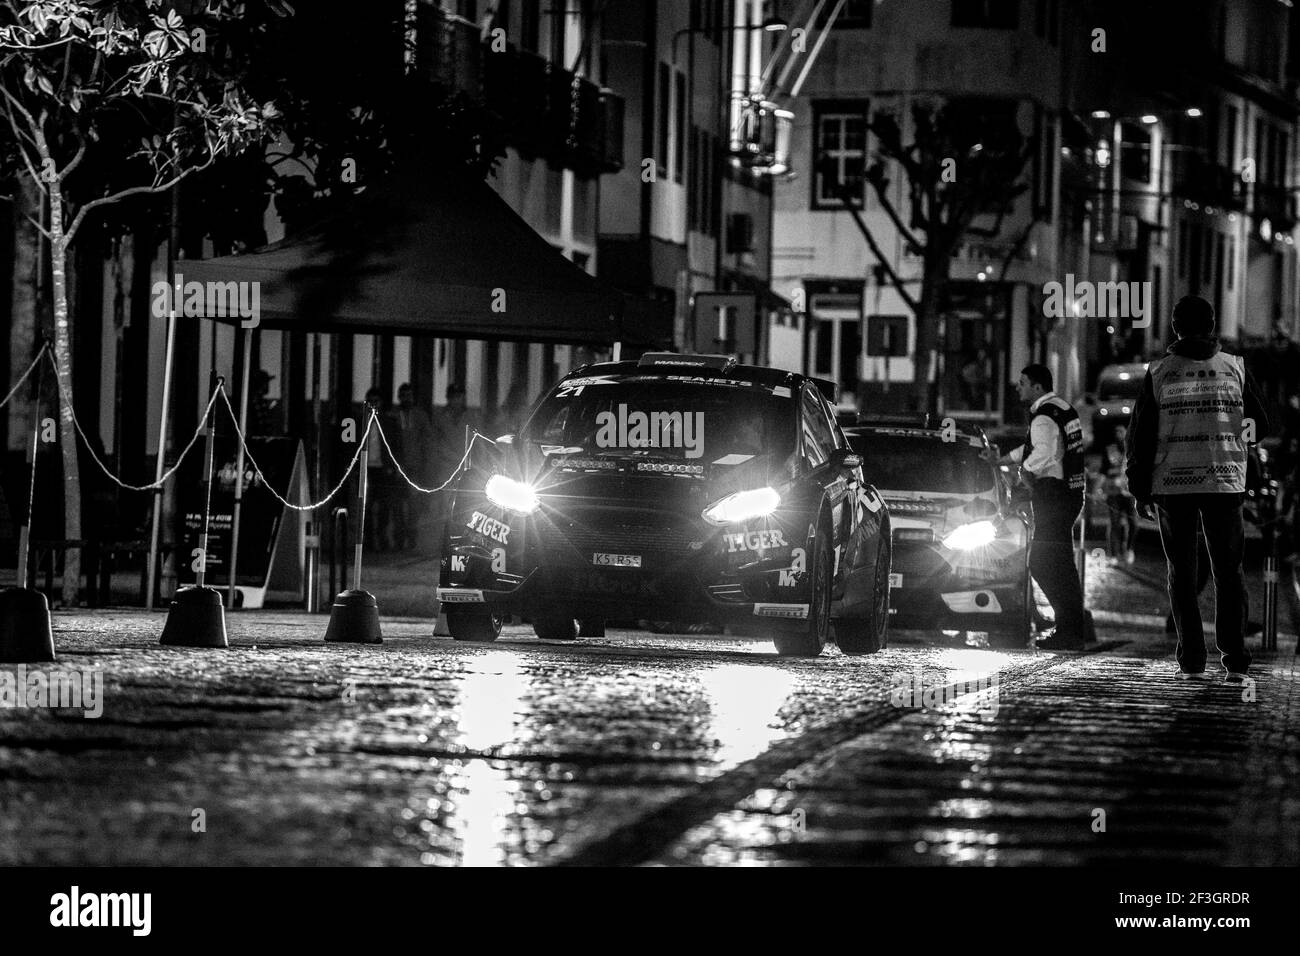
[(162, 455), (239, 463)]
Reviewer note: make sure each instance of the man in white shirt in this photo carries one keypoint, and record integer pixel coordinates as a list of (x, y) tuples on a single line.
[(1051, 464)]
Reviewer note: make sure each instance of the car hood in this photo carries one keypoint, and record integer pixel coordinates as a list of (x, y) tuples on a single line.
[(650, 480)]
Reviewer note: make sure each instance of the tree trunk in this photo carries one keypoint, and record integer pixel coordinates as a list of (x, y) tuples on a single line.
[(24, 306), (67, 432), (934, 277)]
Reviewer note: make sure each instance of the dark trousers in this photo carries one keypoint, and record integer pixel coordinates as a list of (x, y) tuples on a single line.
[(1225, 535), (1051, 555), (1123, 523)]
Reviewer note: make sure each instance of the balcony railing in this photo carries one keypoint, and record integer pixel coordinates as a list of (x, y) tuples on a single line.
[(1199, 179), (548, 112), (448, 50)]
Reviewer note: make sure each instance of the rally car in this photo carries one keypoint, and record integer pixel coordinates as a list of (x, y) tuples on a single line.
[(960, 545), (675, 486)]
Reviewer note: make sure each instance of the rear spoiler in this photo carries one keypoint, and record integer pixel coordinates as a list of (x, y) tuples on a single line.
[(830, 390)]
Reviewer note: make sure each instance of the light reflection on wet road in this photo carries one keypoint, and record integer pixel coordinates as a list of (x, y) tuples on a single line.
[(634, 748)]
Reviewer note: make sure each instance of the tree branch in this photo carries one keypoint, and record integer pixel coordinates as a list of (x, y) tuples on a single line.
[(846, 198), (878, 184), (136, 191)]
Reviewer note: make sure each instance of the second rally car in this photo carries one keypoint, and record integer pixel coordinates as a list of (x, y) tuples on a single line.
[(676, 485), (960, 548)]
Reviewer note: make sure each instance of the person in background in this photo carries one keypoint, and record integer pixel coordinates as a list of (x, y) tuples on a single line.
[(1121, 504), (381, 477), (263, 412), (1187, 451), (416, 430), (1051, 463), (511, 414)]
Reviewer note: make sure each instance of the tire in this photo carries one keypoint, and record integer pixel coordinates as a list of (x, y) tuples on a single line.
[(555, 628), (867, 635), (810, 639), (477, 625)]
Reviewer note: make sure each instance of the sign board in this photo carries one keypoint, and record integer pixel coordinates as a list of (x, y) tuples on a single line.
[(726, 322), (271, 541), (887, 336)]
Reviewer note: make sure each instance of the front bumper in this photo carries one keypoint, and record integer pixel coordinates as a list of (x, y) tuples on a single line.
[(626, 563), (934, 588)]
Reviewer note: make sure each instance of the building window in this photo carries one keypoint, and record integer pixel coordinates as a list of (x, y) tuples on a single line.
[(839, 153), (990, 14), (663, 114), (1230, 155), (679, 128), (693, 183), (1135, 152), (530, 27)]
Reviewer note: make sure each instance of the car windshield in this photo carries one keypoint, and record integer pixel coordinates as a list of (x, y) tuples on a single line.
[(902, 463), (657, 417), (1112, 388)]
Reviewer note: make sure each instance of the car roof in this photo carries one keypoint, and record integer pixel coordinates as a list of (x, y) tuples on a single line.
[(1132, 368), (758, 374)]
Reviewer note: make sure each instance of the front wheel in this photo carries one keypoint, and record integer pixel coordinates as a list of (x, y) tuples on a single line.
[(808, 641), (475, 625), (555, 628), (867, 635)]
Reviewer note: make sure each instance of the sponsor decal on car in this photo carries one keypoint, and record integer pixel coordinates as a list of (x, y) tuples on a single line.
[(895, 580), (754, 540), (460, 595), (794, 612), (489, 527)]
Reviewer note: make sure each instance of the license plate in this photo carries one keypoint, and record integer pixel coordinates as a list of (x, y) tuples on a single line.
[(616, 560), (914, 534), (895, 580)]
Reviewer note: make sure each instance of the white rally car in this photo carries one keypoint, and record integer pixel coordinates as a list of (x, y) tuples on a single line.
[(960, 548)]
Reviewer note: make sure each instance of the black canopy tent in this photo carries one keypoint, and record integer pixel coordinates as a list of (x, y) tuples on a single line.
[(437, 255)]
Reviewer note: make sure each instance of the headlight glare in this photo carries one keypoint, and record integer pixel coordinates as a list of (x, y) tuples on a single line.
[(743, 506), (972, 535), (517, 496)]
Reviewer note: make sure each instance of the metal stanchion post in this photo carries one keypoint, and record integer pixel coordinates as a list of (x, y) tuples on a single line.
[(197, 617), (354, 618), (361, 518), (1268, 511)]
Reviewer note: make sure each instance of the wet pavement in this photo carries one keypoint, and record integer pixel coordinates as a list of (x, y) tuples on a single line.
[(638, 748)]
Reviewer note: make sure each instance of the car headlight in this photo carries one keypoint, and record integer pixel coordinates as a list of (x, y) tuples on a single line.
[(968, 537), (743, 506), (517, 496)]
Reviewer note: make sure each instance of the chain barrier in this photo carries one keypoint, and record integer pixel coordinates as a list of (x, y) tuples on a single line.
[(455, 471), (19, 384), (153, 485), (266, 484)]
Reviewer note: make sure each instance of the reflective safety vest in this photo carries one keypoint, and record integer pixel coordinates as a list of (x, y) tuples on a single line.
[(1070, 431), (1199, 447)]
